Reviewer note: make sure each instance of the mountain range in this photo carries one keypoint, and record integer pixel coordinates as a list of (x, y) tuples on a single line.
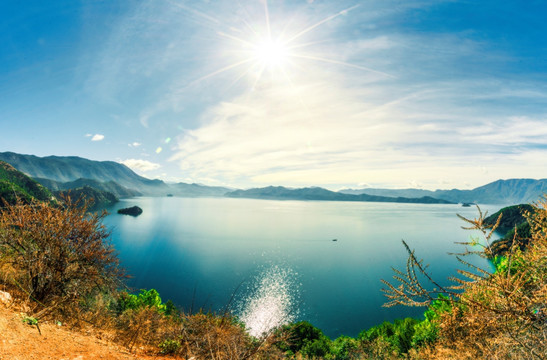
[(70, 172), (511, 191), (59, 173), (317, 193)]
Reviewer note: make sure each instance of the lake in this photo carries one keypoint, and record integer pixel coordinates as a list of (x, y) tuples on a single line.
[(276, 261)]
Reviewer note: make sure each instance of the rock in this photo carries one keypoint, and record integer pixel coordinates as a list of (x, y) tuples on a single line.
[(5, 297), (133, 211)]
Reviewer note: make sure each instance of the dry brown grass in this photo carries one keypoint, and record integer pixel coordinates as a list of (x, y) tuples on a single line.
[(495, 316), (505, 316), (56, 255)]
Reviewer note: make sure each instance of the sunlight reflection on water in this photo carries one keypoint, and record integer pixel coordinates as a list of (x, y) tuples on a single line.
[(272, 300)]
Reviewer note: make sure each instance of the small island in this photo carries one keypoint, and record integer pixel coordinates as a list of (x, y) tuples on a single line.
[(133, 211)]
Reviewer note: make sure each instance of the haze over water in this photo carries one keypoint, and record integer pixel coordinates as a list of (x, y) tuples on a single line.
[(272, 262)]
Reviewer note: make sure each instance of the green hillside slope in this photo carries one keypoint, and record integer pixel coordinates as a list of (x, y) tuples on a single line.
[(97, 198), (14, 185)]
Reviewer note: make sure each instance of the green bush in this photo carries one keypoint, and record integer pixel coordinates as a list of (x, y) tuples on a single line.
[(345, 348), (169, 346), (146, 298), (426, 331), (305, 339), (317, 348), (299, 334), (398, 334)]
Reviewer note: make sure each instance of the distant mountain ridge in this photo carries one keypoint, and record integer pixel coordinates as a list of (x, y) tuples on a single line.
[(68, 172), (317, 193), (511, 191), (110, 186), (70, 168)]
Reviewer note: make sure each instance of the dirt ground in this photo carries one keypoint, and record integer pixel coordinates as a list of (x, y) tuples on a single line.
[(19, 341)]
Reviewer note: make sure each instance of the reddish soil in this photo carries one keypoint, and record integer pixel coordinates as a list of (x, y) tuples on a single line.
[(19, 341)]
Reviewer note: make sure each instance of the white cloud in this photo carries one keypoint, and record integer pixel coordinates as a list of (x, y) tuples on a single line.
[(319, 126), (134, 144), (329, 133), (97, 137), (140, 165)]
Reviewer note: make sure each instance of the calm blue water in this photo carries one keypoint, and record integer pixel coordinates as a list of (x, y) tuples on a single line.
[(275, 261)]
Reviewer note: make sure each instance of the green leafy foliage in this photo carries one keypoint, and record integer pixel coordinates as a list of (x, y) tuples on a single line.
[(345, 348), (145, 298), (302, 337), (427, 330), (29, 320), (398, 334), (317, 348)]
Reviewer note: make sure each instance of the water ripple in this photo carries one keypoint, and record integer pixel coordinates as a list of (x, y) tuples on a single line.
[(272, 301)]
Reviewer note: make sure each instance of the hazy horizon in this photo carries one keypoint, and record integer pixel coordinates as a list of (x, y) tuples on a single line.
[(427, 94)]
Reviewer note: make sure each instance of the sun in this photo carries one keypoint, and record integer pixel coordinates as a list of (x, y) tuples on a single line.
[(258, 48), (271, 53)]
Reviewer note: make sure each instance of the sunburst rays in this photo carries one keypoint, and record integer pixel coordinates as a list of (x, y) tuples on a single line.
[(258, 47)]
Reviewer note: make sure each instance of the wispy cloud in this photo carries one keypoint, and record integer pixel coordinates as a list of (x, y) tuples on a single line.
[(96, 137), (140, 165), (378, 133)]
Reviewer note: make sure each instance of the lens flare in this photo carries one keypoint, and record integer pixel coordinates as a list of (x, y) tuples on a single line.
[(271, 53), (272, 302), (257, 48)]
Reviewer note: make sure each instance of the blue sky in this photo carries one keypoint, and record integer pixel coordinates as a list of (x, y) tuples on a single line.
[(415, 93)]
